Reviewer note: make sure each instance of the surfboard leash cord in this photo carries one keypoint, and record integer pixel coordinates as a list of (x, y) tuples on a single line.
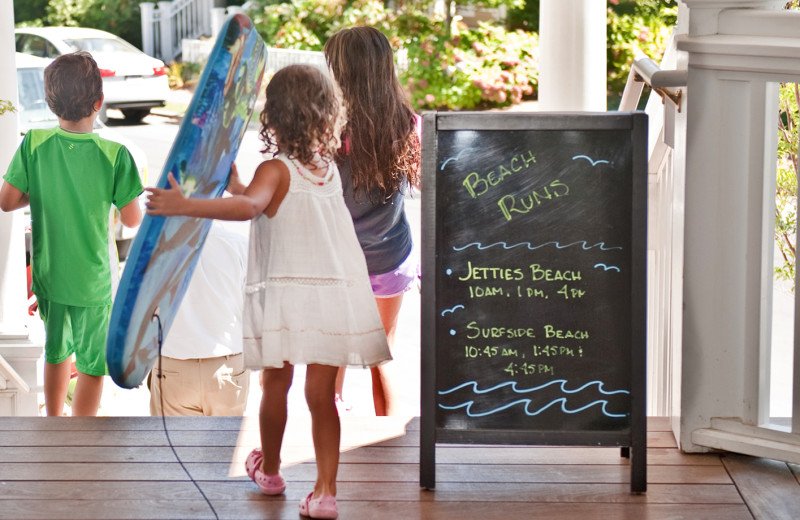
[(164, 420)]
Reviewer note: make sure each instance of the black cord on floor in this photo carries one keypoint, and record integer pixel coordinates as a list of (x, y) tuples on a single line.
[(164, 420)]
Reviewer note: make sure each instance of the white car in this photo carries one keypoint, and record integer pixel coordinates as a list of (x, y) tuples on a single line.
[(133, 82), (33, 112)]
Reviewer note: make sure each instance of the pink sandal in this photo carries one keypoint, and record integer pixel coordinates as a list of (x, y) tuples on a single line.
[(320, 507), (268, 484)]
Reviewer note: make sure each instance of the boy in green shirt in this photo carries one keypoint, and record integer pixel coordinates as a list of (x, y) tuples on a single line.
[(71, 177)]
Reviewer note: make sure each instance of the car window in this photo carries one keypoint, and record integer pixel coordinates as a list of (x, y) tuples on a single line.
[(36, 45), (33, 110), (100, 45)]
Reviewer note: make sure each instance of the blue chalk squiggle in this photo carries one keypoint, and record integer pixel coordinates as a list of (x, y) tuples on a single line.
[(607, 267), (513, 385), (452, 309), (467, 405), (592, 161), (582, 243), (457, 157), (563, 400)]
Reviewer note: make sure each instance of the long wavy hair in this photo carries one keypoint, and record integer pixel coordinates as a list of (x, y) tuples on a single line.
[(383, 144), (303, 115)]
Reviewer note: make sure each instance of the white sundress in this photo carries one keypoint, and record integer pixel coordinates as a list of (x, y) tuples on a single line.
[(308, 297)]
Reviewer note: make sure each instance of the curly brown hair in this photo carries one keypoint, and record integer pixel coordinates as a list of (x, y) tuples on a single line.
[(384, 147), (72, 85), (303, 116)]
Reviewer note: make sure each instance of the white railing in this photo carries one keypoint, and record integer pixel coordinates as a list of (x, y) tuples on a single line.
[(665, 226), (165, 25)]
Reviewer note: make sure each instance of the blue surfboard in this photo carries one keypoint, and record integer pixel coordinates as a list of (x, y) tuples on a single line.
[(165, 250)]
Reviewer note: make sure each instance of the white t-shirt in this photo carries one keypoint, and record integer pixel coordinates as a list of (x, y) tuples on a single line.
[(209, 319)]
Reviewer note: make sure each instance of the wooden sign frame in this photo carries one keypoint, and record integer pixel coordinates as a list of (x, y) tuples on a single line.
[(632, 439)]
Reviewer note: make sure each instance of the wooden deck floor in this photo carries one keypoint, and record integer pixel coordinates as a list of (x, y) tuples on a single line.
[(124, 468)]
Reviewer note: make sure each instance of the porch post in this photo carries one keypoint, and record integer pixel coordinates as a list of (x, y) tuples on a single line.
[(735, 58), (12, 240), (572, 55), (18, 355)]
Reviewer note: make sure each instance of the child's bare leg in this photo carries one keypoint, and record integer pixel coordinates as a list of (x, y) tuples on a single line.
[(325, 428), (275, 383), (88, 391), (385, 391), (56, 386)]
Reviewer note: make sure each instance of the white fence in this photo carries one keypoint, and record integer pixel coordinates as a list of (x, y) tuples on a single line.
[(197, 51), (165, 25)]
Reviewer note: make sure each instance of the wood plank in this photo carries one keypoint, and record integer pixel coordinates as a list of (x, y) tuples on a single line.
[(494, 492), (408, 423), (768, 486), (250, 422), (99, 490), (350, 438), (367, 510), (364, 454), (573, 455), (365, 491), (60, 471)]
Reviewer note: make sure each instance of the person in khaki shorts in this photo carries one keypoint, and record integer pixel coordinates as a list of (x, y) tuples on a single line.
[(201, 370)]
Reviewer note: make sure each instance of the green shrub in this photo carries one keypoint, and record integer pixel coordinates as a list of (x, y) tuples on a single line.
[(456, 68), (635, 25), (474, 68), (786, 179), (120, 17), (6, 106)]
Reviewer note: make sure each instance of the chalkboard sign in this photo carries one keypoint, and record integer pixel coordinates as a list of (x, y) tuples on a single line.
[(534, 252)]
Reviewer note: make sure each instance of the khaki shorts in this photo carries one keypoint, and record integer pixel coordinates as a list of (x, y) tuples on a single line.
[(82, 330), (211, 386)]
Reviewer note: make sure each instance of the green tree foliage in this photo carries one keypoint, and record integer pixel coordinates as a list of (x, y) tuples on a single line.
[(786, 180), (6, 106), (444, 66), (29, 11), (120, 17), (643, 25)]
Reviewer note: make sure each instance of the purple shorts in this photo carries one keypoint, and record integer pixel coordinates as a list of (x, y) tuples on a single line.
[(397, 281)]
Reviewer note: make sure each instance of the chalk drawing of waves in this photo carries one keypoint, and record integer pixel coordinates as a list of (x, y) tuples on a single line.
[(453, 309), (582, 243), (478, 402), (593, 162), (607, 267), (454, 159)]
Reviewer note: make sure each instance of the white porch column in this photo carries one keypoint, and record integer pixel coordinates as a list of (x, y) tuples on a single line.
[(12, 240), (18, 375), (735, 59), (148, 34), (572, 55)]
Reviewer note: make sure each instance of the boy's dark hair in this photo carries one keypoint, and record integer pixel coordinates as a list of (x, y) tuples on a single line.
[(303, 115), (72, 85)]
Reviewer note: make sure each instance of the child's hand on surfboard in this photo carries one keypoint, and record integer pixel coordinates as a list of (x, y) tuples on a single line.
[(235, 186), (166, 202)]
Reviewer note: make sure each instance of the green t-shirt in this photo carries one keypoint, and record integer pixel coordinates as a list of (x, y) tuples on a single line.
[(72, 180)]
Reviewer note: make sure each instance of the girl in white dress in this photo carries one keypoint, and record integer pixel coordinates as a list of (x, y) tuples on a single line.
[(308, 297)]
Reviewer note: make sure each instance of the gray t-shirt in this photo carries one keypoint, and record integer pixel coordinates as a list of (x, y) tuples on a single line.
[(382, 228)]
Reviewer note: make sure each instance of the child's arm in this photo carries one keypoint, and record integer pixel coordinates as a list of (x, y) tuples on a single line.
[(271, 177), (131, 213), (12, 198)]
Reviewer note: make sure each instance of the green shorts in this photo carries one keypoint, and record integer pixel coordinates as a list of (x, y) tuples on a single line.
[(82, 330)]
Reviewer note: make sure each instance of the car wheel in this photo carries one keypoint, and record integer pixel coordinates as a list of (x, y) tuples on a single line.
[(135, 115), (123, 248)]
